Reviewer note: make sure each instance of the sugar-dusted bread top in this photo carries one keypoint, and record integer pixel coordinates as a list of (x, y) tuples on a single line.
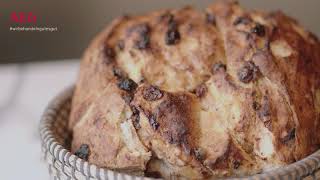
[(225, 92)]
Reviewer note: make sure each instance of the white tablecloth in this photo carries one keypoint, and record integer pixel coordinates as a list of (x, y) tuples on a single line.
[(25, 90)]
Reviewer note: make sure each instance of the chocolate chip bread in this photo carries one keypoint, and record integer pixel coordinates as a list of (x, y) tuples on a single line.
[(190, 94)]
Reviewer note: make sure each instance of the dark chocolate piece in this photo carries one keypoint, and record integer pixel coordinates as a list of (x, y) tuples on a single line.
[(153, 121), (135, 117), (127, 84), (83, 152), (259, 30), (236, 164), (199, 153), (218, 66), (256, 106), (248, 72), (172, 35), (144, 36), (127, 97), (152, 93), (117, 72)]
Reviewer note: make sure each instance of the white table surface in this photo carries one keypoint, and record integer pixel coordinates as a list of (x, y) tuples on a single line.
[(25, 90)]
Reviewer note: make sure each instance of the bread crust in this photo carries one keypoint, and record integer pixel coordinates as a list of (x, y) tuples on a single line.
[(225, 92)]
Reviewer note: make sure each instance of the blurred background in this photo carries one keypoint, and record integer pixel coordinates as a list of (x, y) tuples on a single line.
[(78, 21), (35, 66)]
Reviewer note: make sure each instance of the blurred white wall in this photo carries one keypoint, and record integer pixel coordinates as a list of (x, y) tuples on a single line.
[(79, 20)]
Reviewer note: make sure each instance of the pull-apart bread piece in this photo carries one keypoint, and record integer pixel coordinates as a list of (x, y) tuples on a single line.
[(189, 94)]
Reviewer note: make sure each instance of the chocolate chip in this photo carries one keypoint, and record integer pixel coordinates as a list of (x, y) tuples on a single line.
[(135, 117), (259, 29), (134, 110), (127, 84), (127, 98), (143, 41), (218, 67), (142, 28), (199, 154), (121, 44), (210, 19), (248, 72), (245, 75), (291, 135), (256, 106), (83, 152), (152, 93), (236, 164), (153, 122), (172, 35), (201, 90), (241, 20), (117, 72)]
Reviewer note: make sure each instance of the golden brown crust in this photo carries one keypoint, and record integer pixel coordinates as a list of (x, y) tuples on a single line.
[(222, 93)]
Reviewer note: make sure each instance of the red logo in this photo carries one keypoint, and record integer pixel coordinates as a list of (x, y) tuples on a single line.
[(23, 17)]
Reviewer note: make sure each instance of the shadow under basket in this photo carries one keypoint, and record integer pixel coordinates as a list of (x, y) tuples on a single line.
[(63, 165)]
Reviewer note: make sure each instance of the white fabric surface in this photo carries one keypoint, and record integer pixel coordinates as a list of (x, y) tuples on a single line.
[(25, 91)]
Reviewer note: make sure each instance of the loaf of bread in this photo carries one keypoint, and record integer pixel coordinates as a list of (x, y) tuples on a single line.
[(190, 94)]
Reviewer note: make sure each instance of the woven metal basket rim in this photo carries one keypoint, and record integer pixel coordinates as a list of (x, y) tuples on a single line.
[(302, 168)]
